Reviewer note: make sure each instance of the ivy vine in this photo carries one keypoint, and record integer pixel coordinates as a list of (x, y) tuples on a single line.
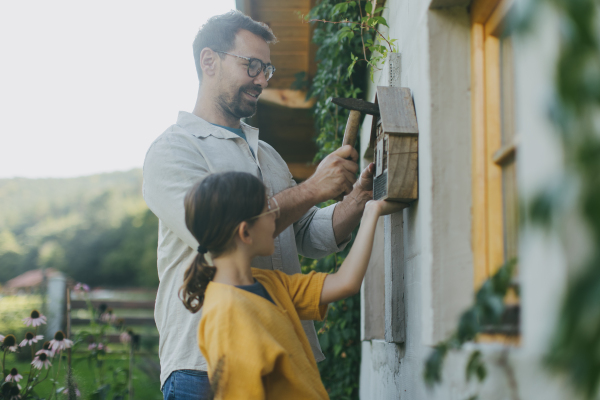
[(344, 32)]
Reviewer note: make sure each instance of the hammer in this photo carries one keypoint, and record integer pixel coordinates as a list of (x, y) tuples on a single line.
[(357, 107)]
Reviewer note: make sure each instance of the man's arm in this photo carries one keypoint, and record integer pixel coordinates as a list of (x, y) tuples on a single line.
[(334, 176), (171, 167), (348, 212)]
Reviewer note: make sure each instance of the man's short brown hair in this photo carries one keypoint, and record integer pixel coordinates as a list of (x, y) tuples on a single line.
[(218, 34)]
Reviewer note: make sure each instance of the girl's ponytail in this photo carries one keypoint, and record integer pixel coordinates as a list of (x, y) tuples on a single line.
[(195, 281), (214, 208)]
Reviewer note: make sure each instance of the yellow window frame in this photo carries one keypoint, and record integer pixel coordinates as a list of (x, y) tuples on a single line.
[(487, 18)]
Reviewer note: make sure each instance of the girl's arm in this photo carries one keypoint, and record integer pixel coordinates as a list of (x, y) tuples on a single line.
[(347, 280)]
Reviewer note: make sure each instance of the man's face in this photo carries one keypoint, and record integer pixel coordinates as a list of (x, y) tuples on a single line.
[(237, 92)]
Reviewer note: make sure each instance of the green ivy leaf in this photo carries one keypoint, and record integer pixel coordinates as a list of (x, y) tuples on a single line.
[(369, 7), (476, 366), (380, 20)]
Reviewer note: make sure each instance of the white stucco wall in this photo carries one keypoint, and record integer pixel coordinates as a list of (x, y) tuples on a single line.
[(438, 266)]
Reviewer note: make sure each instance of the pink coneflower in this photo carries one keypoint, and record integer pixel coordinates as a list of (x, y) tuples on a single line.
[(108, 316), (99, 346), (35, 319), (11, 391), (10, 342), (41, 360), (14, 376), (47, 348), (60, 342), (77, 392), (125, 337), (81, 287), (30, 338)]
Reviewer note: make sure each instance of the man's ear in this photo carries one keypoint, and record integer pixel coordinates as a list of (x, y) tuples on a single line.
[(208, 61), (243, 233)]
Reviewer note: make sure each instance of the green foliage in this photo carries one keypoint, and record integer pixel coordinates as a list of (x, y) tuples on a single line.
[(575, 348), (339, 336), (348, 42), (339, 74), (487, 310), (336, 55), (95, 229)]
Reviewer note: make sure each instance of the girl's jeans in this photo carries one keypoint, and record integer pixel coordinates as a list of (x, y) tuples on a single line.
[(187, 384)]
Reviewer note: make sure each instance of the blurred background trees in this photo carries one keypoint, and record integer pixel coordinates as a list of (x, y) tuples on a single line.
[(95, 229)]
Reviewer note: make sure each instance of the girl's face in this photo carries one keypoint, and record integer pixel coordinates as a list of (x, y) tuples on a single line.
[(263, 229)]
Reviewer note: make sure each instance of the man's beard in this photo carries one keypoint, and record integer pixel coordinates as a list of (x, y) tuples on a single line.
[(238, 106)]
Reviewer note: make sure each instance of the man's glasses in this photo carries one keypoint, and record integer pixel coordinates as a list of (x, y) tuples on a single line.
[(255, 66)]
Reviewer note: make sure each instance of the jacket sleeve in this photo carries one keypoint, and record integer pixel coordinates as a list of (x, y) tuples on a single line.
[(305, 292), (172, 166), (314, 231), (239, 352)]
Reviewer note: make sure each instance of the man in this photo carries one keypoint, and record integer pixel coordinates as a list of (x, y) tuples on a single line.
[(233, 61)]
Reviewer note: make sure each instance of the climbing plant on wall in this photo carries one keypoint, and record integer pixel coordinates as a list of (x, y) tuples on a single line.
[(345, 48)]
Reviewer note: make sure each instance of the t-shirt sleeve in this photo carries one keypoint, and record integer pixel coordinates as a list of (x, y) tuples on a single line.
[(239, 352), (305, 292)]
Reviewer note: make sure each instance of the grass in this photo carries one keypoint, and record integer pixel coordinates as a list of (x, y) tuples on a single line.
[(88, 377)]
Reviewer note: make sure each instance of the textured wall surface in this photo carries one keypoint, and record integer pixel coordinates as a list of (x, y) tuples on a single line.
[(437, 257)]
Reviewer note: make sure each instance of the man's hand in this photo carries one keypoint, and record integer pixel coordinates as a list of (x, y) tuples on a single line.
[(365, 180), (335, 175)]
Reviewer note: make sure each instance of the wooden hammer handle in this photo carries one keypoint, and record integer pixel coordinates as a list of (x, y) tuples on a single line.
[(352, 126), (350, 134)]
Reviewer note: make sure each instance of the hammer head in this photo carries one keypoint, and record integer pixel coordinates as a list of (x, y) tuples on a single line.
[(364, 107)]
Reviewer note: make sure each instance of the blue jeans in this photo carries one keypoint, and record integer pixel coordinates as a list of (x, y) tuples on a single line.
[(187, 384)]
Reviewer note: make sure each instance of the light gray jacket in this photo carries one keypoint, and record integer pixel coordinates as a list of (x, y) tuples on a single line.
[(184, 154)]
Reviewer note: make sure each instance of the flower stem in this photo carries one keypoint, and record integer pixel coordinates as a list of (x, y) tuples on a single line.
[(4, 369)]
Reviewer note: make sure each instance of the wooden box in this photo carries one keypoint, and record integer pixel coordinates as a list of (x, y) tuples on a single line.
[(395, 138)]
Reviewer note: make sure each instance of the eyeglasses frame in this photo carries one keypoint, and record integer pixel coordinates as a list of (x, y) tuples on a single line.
[(263, 66), (277, 210)]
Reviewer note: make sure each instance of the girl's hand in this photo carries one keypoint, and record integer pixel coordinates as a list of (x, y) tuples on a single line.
[(384, 207)]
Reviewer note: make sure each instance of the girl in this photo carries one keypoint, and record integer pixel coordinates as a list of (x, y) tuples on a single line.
[(250, 331)]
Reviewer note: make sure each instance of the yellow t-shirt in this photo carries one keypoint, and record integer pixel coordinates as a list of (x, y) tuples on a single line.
[(256, 349)]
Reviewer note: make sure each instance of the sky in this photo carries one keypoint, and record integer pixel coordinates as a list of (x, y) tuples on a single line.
[(86, 86)]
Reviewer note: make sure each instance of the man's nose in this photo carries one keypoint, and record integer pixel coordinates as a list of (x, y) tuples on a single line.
[(261, 80)]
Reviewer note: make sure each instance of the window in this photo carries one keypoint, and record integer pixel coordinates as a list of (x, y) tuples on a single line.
[(495, 203)]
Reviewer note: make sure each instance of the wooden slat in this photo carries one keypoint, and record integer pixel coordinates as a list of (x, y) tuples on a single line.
[(479, 231), (287, 98), (495, 23), (134, 321), (132, 305), (481, 10), (493, 135), (403, 162), (293, 4), (296, 62), (283, 31), (505, 153), (397, 110), (282, 82), (281, 16), (301, 171), (291, 45)]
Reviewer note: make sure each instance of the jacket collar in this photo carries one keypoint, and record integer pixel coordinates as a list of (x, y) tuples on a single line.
[(201, 128)]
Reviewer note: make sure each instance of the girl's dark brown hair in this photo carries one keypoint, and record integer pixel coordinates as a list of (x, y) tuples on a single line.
[(214, 207)]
